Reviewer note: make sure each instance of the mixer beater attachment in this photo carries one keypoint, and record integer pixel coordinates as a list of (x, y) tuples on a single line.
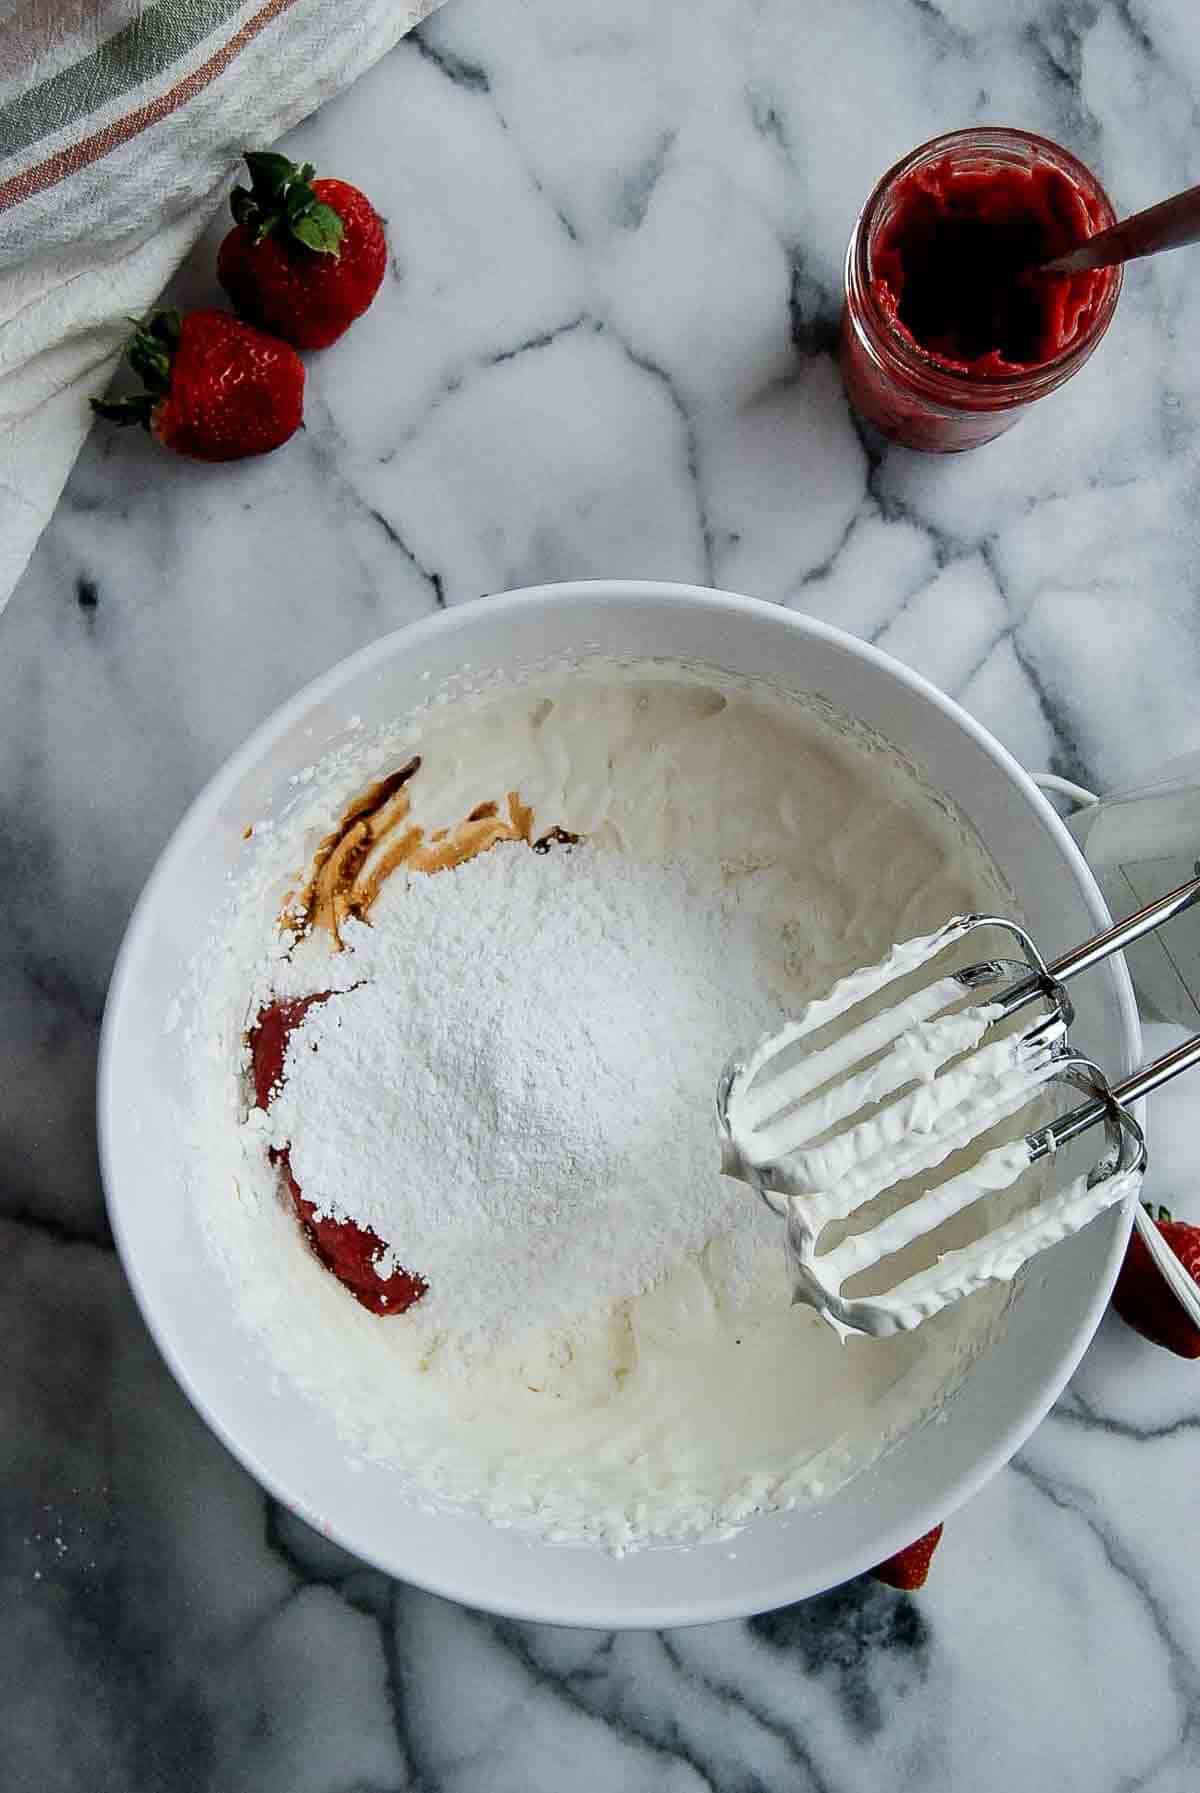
[(821, 1130)]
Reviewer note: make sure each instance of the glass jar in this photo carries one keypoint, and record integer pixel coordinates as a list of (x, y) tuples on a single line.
[(924, 399)]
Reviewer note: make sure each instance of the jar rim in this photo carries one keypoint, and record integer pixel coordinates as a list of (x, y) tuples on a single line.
[(950, 384)]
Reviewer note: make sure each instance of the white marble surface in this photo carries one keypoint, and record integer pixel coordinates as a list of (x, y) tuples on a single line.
[(603, 349)]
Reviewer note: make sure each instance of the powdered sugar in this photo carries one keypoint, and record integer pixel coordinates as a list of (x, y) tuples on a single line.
[(516, 1090)]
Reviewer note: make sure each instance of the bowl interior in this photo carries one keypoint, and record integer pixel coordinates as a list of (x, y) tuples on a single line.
[(293, 1448)]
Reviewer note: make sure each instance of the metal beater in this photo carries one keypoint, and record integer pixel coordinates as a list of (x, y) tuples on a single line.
[(822, 1130)]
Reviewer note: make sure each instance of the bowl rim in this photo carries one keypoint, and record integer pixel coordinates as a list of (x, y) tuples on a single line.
[(566, 594)]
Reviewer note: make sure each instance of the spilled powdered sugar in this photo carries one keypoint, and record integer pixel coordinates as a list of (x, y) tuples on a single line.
[(516, 1088)]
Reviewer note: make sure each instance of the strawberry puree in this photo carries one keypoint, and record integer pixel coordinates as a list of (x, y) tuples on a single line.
[(951, 266), (351, 1252)]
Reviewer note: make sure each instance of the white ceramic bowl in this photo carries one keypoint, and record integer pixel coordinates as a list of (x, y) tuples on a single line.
[(293, 1450)]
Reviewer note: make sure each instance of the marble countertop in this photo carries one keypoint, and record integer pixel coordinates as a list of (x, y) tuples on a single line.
[(602, 349)]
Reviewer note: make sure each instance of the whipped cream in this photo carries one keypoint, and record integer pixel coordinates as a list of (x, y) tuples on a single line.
[(655, 1410)]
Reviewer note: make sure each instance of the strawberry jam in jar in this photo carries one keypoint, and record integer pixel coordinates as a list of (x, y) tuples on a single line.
[(948, 332)]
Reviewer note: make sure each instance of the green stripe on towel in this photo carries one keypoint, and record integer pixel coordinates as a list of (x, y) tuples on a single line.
[(159, 36)]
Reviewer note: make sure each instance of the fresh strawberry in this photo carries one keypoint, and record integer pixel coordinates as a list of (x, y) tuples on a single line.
[(215, 389), (1142, 1298), (909, 1567), (306, 257)]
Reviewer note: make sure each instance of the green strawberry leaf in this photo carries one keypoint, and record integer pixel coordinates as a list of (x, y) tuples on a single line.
[(152, 349), (137, 409), (270, 173), (243, 205), (319, 228), (281, 194)]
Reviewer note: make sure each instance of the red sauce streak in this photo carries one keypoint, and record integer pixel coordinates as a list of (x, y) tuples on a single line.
[(952, 266), (351, 1252)]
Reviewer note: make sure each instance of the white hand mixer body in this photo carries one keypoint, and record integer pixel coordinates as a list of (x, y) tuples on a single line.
[(820, 1131)]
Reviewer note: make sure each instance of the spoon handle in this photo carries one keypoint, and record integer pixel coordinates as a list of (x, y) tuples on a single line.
[(1168, 225)]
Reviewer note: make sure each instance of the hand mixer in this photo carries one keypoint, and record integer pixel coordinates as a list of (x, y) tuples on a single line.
[(822, 1129)]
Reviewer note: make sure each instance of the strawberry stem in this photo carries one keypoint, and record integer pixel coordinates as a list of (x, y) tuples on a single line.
[(281, 196)]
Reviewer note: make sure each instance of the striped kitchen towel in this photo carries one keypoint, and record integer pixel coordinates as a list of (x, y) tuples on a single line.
[(121, 125)]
